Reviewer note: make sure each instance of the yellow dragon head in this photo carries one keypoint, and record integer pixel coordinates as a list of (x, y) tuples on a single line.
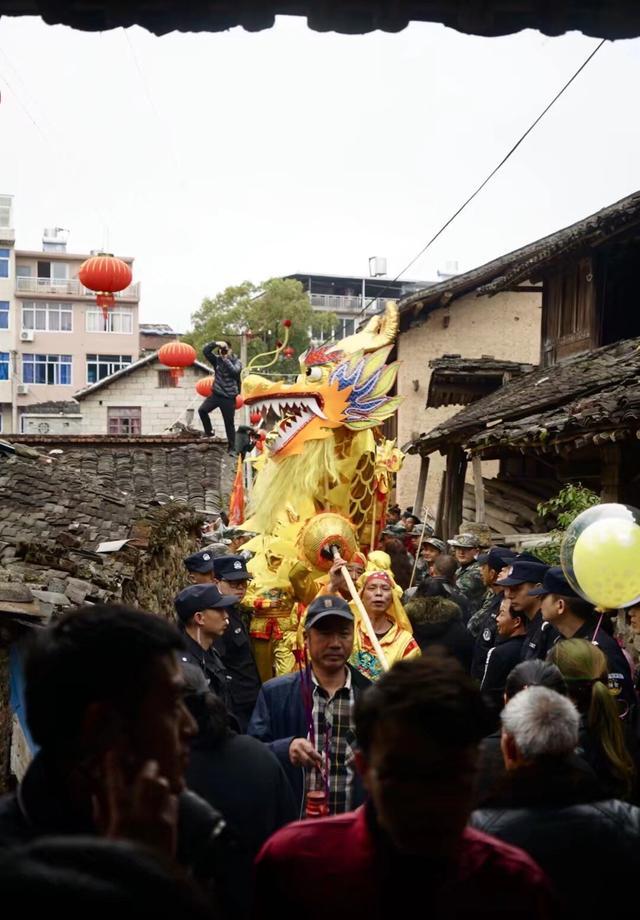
[(343, 384)]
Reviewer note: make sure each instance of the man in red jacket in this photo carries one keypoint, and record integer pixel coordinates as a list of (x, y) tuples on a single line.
[(409, 847)]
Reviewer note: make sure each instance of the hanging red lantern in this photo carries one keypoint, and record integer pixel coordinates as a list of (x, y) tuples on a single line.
[(176, 356), (105, 275), (288, 352), (255, 418), (204, 386)]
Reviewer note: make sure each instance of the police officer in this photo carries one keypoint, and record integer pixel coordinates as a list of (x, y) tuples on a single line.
[(527, 573), (200, 567), (234, 646), (202, 613), (483, 623), (468, 578), (575, 618)]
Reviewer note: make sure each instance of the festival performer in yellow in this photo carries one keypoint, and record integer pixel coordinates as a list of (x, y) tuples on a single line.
[(381, 600)]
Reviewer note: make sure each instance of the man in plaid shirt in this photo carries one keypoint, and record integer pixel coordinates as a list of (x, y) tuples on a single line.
[(307, 717)]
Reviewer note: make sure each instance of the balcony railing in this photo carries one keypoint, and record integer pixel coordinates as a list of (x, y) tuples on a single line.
[(68, 288), (340, 304)]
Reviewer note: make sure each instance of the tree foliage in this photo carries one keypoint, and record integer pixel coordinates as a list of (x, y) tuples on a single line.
[(260, 311), (559, 513)]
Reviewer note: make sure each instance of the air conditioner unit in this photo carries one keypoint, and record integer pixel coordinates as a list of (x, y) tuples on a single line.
[(27, 335), (23, 389)]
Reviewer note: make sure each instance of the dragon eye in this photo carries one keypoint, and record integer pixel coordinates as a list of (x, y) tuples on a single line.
[(314, 373)]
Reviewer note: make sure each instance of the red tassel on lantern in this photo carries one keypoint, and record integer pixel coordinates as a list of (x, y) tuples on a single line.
[(176, 356)]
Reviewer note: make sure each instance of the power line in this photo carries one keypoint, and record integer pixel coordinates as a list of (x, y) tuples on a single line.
[(492, 173)]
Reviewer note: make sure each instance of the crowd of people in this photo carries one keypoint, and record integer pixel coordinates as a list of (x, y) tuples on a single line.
[(479, 759)]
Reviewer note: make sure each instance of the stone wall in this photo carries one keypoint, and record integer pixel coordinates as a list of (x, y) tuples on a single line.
[(161, 407), (54, 517), (505, 326)]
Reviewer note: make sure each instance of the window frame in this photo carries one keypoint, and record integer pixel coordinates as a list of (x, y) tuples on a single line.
[(6, 328), (50, 365), (50, 308), (102, 360), (5, 259), (116, 312), (120, 419), (8, 363)]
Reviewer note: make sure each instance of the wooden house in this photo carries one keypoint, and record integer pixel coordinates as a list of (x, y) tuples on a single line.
[(574, 418)]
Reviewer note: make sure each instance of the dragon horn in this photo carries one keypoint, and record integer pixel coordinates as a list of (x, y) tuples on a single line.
[(381, 330)]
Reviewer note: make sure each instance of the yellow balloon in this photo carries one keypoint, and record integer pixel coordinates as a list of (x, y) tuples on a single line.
[(606, 562)]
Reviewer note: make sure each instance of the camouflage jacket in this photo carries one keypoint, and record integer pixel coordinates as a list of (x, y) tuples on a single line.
[(469, 582)]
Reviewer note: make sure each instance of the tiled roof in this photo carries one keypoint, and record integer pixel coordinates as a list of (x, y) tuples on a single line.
[(613, 19), (594, 396), (526, 263), (459, 381)]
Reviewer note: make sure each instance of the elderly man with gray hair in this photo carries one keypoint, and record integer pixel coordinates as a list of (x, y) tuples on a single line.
[(552, 808)]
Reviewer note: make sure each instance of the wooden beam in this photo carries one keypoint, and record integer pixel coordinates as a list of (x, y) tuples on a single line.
[(478, 486), (440, 509), (422, 484), (611, 478), (453, 491)]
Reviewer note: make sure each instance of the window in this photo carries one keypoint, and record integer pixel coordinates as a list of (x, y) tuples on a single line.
[(57, 271), (23, 271), (116, 321), (166, 380), (47, 317), (125, 420), (4, 263), (54, 370), (4, 314), (4, 365), (5, 210), (101, 366)]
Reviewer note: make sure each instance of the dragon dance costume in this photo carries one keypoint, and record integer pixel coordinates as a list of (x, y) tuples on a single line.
[(326, 452)]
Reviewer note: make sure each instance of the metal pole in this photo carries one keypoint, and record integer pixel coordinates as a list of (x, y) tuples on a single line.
[(14, 395)]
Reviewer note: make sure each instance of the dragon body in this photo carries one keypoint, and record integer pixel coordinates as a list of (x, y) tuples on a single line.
[(325, 452)]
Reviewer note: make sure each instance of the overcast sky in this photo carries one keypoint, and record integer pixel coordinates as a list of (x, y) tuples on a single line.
[(221, 157)]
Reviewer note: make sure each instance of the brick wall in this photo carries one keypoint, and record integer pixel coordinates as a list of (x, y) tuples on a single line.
[(506, 326), (160, 406)]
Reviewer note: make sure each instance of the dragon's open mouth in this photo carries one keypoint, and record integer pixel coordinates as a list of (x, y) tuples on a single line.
[(295, 411)]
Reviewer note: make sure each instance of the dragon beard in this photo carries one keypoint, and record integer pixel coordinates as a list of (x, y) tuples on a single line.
[(308, 473)]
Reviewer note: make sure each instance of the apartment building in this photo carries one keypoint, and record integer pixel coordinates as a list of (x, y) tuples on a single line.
[(54, 339), (352, 298)]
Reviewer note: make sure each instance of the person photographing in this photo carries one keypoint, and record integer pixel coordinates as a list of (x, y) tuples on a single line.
[(226, 387)]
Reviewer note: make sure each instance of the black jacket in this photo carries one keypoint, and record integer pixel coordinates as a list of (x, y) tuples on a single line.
[(241, 777), (211, 665), (227, 372), (42, 807), (440, 624), (234, 648), (590, 849), (279, 717), (541, 635), (501, 660), (486, 636), (620, 682)]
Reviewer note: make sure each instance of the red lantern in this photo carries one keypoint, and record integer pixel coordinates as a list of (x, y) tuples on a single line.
[(255, 417), (105, 275), (176, 356), (204, 386), (288, 352), (286, 323)]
